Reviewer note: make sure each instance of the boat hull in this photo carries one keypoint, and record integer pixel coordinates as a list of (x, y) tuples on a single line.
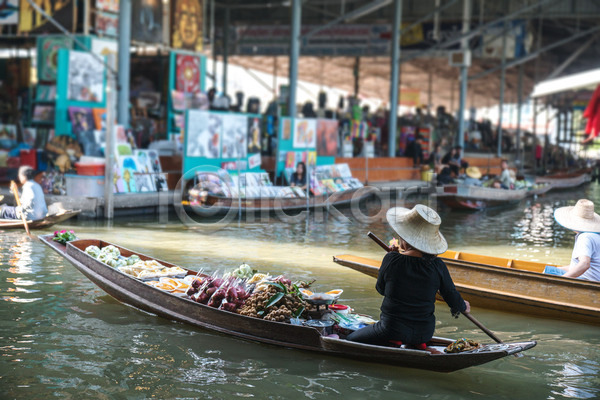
[(39, 223), (516, 286), (564, 181), (466, 197), (140, 295)]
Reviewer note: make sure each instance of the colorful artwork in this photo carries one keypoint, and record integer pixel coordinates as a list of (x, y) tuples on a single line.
[(235, 136), (104, 47), (8, 136), (160, 179), (83, 127), (327, 137), (147, 21), (254, 135), (43, 113), (128, 167), (188, 73), (254, 161), (9, 13), (144, 181), (186, 26), (107, 24), (287, 129), (178, 100), (29, 136), (305, 133), (108, 5), (86, 78), (46, 93), (48, 47), (99, 117), (60, 10), (203, 134)]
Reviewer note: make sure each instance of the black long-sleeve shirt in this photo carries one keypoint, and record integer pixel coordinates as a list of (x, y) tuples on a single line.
[(409, 285)]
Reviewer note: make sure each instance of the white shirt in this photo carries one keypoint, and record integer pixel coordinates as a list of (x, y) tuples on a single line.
[(33, 202), (587, 244), (506, 179)]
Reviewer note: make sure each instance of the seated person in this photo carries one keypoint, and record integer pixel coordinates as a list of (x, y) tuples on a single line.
[(454, 160), (445, 177), (33, 202), (585, 259), (299, 177), (473, 177), (507, 176)]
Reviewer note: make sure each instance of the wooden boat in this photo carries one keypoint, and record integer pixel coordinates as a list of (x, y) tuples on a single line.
[(49, 220), (140, 295), (506, 284), (540, 189), (563, 181), (216, 205), (466, 197)]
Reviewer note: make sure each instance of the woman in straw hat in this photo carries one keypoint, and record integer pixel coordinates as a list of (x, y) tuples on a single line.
[(409, 281), (585, 260), (473, 176)]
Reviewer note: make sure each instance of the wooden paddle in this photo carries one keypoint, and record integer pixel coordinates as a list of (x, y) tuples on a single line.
[(469, 316), (15, 191)]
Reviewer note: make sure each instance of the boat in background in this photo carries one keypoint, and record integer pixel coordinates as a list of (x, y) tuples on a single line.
[(467, 197), (563, 181), (509, 285), (138, 294), (46, 222)]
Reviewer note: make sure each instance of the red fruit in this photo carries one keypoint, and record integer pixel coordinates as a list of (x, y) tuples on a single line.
[(211, 290), (217, 282), (196, 283)]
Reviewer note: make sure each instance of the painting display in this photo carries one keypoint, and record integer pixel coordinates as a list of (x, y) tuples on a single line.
[(147, 21), (29, 136), (10, 12), (43, 113), (144, 173), (48, 47), (160, 179), (60, 10), (327, 137), (45, 93), (99, 118), (254, 135), (104, 47), (186, 25), (188, 73), (254, 161), (305, 133), (108, 5), (8, 136), (107, 24), (204, 131), (234, 136), (85, 77), (83, 127), (128, 168)]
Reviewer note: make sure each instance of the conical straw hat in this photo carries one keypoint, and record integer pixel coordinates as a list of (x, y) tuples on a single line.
[(473, 172), (419, 227), (580, 218)]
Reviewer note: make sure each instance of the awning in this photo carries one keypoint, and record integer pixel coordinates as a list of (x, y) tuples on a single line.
[(583, 80)]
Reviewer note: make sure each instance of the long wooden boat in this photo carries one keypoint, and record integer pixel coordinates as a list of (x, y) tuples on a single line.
[(49, 220), (510, 285), (215, 205), (564, 181), (467, 197), (540, 189), (140, 295)]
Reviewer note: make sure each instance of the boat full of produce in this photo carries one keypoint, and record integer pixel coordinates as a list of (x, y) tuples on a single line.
[(248, 304)]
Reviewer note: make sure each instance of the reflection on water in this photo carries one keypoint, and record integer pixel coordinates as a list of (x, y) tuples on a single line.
[(71, 340)]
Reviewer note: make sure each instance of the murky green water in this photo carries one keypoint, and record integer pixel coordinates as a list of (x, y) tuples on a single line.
[(61, 337)]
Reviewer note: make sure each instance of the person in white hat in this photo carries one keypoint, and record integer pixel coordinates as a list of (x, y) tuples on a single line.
[(409, 278), (585, 259)]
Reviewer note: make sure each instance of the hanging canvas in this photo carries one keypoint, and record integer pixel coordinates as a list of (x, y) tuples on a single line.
[(29, 135), (147, 21), (86, 78), (186, 25), (61, 11), (45, 93), (128, 168), (8, 136), (83, 127), (305, 133), (233, 142), (143, 178), (47, 48), (107, 24), (160, 179), (104, 47), (203, 134), (108, 5), (43, 113), (9, 13), (327, 137), (287, 129), (254, 135), (188, 73), (99, 118)]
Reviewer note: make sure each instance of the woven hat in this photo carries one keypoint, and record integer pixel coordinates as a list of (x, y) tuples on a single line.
[(580, 218), (473, 172), (419, 227)]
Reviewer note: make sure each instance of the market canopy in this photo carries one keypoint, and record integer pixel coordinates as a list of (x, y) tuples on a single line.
[(584, 80)]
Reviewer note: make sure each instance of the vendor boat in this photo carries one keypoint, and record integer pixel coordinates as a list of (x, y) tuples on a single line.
[(45, 222), (564, 181), (466, 197), (135, 292), (506, 284)]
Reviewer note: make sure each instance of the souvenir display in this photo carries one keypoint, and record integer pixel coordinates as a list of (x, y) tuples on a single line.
[(305, 133), (85, 78)]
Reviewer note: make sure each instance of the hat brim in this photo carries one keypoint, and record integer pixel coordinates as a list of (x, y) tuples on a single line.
[(436, 244), (564, 216), (473, 175)]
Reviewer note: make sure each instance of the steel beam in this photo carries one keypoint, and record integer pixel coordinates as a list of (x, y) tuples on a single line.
[(225, 49), (502, 84), (395, 69), (519, 105), (464, 70), (294, 55), (572, 57), (124, 61)]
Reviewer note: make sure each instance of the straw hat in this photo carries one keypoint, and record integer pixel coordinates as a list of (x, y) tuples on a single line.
[(580, 218), (419, 227), (473, 172)]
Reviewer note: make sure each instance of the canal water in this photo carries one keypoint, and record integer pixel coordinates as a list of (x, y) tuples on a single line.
[(61, 337)]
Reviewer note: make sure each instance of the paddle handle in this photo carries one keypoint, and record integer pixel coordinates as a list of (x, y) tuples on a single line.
[(15, 191), (483, 328), (378, 241)]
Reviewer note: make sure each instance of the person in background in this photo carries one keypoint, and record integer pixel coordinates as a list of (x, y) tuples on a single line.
[(585, 259), (299, 176), (410, 276), (473, 176), (414, 150), (33, 202), (435, 158), (507, 176), (454, 160)]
